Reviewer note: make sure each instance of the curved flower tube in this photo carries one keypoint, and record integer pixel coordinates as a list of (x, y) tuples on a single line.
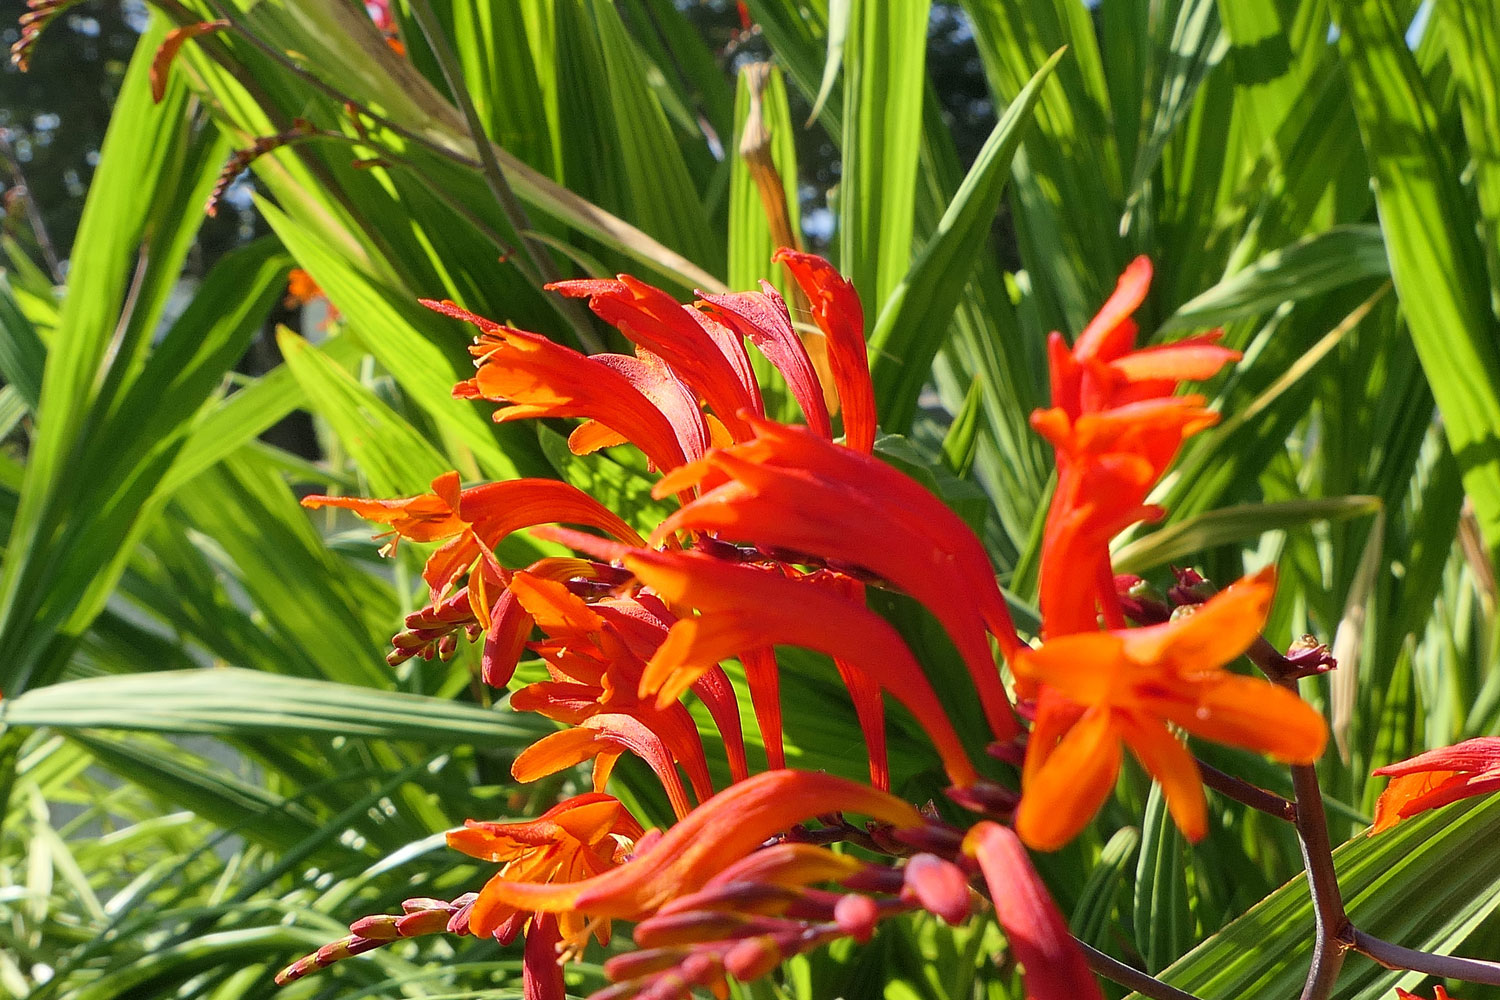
[(542, 379), (789, 490), (480, 518), (713, 364), (762, 318), (1052, 964), (1436, 778), (743, 607), (719, 832), (838, 313)]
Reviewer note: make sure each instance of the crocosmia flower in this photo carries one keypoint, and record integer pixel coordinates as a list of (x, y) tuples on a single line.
[(780, 535), (1436, 778)]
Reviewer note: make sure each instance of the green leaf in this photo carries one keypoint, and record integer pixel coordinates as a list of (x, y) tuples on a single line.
[(1231, 525), (406, 339), (915, 318), (229, 701), (1403, 885), (839, 13), (1436, 258), (1311, 267), (22, 353), (1090, 920), (1163, 919), (884, 77)]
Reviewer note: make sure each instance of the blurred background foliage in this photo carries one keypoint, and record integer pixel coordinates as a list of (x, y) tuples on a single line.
[(206, 767)]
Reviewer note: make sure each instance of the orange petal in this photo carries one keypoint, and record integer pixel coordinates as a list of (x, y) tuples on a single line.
[(837, 311), (1111, 332), (1168, 762), (590, 436), (787, 864), (1250, 713), (554, 752), (1191, 359), (554, 608), (161, 63), (1066, 791), (422, 518)]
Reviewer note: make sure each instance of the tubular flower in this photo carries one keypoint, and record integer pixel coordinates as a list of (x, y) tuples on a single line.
[(779, 534), (836, 310), (786, 489), (477, 520), (708, 358), (744, 607), (1116, 426), (721, 831), (1052, 964), (580, 838), (1106, 689), (595, 677), (1436, 778)]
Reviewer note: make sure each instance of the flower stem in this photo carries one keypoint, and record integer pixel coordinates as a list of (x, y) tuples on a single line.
[(1131, 978), (1331, 923), (1244, 792), (1394, 956)]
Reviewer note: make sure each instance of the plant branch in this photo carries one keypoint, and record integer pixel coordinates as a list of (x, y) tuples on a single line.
[(1394, 956), (1331, 923), (542, 269), (33, 210), (1244, 792), (1129, 977)]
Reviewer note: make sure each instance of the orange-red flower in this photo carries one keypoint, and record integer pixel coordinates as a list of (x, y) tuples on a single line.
[(1052, 964), (476, 520), (709, 358), (836, 310), (1102, 691), (1116, 427), (1439, 993), (577, 839), (596, 672), (719, 832), (541, 379), (1436, 778), (789, 490), (744, 607)]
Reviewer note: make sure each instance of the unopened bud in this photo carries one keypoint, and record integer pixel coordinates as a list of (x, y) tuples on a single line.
[(1308, 657), (752, 958), (1191, 587), (939, 886), (1141, 602), (857, 916)]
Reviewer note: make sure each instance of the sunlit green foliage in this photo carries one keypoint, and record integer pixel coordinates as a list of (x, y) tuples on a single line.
[(1313, 176)]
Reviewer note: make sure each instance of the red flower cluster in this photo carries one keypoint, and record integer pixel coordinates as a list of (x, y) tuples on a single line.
[(779, 533)]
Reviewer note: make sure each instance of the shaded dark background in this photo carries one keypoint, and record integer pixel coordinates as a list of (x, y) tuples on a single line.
[(53, 119)]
